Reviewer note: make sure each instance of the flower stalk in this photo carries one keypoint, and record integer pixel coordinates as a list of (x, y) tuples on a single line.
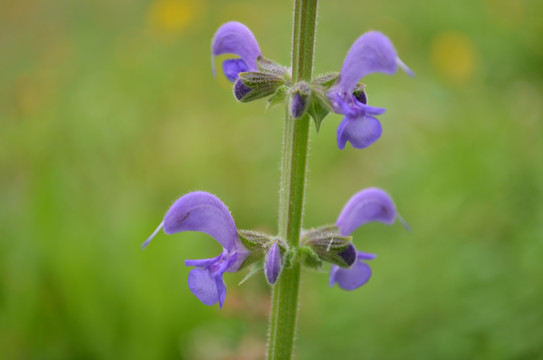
[(284, 312)]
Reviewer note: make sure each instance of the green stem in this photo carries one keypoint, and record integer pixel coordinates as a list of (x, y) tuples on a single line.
[(284, 310)]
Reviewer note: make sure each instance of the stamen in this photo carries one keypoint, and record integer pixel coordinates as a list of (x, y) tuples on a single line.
[(404, 223), (144, 245), (404, 67)]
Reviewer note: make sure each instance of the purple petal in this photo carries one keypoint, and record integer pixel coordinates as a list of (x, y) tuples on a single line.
[(349, 255), (361, 131), (232, 67), (202, 263), (240, 90), (371, 52), (235, 260), (274, 264), (201, 211), (368, 205), (333, 273), (235, 38), (361, 97), (221, 290), (372, 110), (365, 256), (204, 286), (351, 278)]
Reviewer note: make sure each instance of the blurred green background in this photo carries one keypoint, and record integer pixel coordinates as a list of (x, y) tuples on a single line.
[(109, 112)]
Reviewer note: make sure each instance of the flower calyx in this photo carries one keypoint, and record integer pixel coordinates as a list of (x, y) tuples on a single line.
[(327, 244), (258, 244), (254, 85)]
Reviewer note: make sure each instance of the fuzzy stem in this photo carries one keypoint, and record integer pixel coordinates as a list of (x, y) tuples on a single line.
[(284, 310)]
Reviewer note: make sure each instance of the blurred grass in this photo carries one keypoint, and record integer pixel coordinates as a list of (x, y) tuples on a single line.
[(109, 112)]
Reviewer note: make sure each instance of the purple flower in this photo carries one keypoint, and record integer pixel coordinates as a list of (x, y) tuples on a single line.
[(368, 205), (235, 38), (273, 264), (204, 212), (371, 52)]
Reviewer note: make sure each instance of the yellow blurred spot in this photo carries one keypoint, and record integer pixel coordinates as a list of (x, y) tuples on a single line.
[(173, 16), (454, 57)]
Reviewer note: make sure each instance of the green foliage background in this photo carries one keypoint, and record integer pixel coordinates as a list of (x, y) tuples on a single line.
[(109, 112)]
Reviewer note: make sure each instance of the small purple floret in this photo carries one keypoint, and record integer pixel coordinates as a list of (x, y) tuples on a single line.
[(371, 52), (368, 205), (204, 212), (273, 264)]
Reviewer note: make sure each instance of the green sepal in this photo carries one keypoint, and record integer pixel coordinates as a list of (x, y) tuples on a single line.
[(256, 268), (261, 84), (278, 97), (253, 257), (254, 240), (258, 244), (268, 66), (317, 110), (328, 228), (289, 257), (309, 258), (326, 81), (319, 105), (255, 79), (328, 244)]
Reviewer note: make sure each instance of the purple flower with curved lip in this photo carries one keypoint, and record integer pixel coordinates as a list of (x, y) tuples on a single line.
[(204, 212), (368, 205), (371, 52), (235, 38)]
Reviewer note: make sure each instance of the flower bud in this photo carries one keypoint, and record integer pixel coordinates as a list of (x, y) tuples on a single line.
[(300, 96), (273, 264)]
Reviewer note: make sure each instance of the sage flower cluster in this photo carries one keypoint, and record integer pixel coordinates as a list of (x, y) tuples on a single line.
[(255, 77)]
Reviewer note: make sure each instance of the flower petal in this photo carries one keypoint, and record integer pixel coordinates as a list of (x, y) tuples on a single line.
[(240, 90), (371, 52), (333, 273), (204, 286), (273, 264), (235, 38), (361, 131), (201, 211), (232, 67), (203, 263), (368, 205), (349, 255), (351, 278), (365, 256), (221, 290)]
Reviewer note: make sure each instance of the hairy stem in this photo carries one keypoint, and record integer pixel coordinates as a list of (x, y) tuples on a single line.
[(284, 310)]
